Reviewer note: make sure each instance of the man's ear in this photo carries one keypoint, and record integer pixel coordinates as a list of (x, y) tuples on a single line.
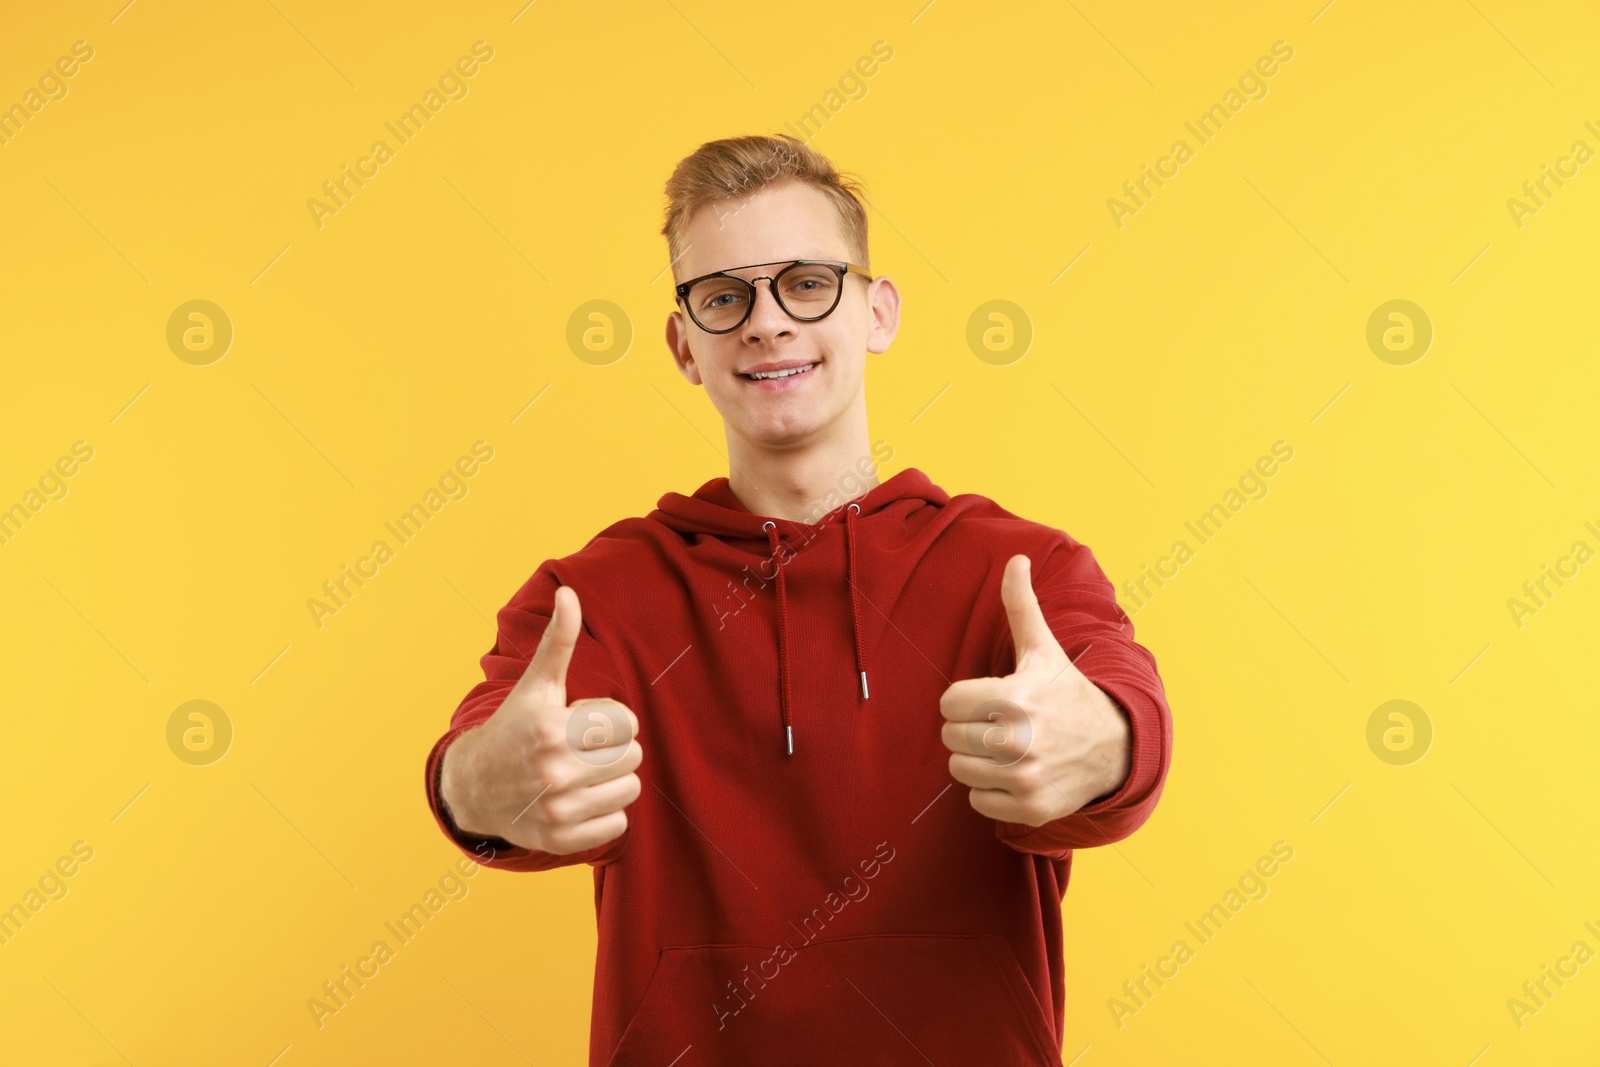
[(883, 304), (678, 344)]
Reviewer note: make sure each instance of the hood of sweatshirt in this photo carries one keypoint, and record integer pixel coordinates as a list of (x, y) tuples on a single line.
[(800, 879), (760, 548)]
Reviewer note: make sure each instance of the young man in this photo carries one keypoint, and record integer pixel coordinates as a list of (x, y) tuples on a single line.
[(828, 752)]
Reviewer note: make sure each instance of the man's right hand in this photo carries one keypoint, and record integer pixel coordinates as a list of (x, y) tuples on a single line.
[(539, 773)]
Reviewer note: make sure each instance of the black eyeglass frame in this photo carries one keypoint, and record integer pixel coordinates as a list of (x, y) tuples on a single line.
[(843, 267)]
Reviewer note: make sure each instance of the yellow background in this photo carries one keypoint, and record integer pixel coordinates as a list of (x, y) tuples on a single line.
[(370, 353)]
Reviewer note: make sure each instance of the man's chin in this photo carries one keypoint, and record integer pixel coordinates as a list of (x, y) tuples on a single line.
[(780, 434)]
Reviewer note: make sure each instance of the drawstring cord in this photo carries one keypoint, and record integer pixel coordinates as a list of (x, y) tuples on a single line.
[(771, 529), (855, 608), (783, 636)]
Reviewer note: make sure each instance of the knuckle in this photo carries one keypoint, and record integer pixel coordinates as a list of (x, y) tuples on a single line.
[(558, 811), (1027, 779), (548, 733), (602, 722), (558, 841), (548, 782)]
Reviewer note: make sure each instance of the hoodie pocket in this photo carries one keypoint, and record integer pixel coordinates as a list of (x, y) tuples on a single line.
[(945, 999)]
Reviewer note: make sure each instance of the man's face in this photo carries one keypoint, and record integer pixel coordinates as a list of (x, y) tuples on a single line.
[(778, 224)]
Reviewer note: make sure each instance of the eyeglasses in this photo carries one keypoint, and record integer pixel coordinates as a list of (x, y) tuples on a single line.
[(810, 289)]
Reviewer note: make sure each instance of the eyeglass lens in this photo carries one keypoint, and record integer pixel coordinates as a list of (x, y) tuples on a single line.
[(806, 291)]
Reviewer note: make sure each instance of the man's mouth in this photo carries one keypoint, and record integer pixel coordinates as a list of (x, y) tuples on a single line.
[(779, 375)]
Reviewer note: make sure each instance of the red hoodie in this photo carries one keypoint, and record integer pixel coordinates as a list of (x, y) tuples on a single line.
[(840, 902)]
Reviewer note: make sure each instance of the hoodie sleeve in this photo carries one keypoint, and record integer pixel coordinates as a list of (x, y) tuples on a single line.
[(1080, 604), (591, 673)]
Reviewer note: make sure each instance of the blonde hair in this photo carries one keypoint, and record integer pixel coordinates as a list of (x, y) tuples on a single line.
[(737, 167)]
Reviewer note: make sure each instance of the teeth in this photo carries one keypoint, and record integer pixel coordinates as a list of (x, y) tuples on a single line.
[(781, 373)]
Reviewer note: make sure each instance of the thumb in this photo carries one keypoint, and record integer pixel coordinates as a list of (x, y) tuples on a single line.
[(1030, 633), (547, 670)]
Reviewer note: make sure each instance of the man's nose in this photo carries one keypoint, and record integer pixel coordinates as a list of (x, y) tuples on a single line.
[(767, 316)]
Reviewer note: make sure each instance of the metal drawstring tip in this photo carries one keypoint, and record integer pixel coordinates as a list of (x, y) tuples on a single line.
[(788, 732), (863, 685)]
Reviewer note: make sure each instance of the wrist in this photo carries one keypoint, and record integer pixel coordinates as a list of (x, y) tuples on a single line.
[(1118, 745), (456, 792)]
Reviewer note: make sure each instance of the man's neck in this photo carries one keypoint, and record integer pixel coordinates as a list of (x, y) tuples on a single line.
[(794, 484)]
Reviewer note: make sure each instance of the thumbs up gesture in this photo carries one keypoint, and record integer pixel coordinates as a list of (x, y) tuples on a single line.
[(539, 772), (1043, 741)]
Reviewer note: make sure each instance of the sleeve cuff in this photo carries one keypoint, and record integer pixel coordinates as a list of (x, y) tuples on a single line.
[(1144, 747)]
